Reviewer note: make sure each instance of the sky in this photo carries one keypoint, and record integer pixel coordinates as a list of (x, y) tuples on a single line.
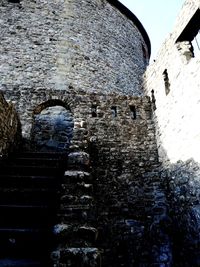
[(157, 17)]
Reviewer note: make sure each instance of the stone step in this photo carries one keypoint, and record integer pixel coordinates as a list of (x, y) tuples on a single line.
[(20, 181), (9, 262), (74, 176), (77, 188), (27, 215), (35, 154), (74, 213), (55, 162), (30, 170), (74, 257), (16, 242), (70, 199), (74, 232), (28, 196), (78, 161)]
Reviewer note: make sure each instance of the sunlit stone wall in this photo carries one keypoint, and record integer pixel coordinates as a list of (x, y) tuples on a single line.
[(177, 110), (173, 83)]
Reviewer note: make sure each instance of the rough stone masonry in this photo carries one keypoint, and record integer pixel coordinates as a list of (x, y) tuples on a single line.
[(75, 70), (173, 80)]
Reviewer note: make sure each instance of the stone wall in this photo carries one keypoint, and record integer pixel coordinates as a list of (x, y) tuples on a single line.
[(69, 46), (130, 206), (130, 201), (177, 111), (172, 82), (52, 129), (9, 127)]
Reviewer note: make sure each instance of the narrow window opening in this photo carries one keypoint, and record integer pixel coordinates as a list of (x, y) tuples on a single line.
[(166, 82), (94, 111), (153, 100), (188, 43), (114, 111), (133, 112)]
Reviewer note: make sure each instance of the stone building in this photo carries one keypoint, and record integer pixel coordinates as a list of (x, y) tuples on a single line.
[(99, 156), (173, 82)]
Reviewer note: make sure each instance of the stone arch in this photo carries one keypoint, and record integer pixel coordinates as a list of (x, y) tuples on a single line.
[(51, 103), (53, 124)]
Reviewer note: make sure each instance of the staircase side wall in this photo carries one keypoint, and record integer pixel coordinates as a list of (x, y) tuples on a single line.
[(9, 127)]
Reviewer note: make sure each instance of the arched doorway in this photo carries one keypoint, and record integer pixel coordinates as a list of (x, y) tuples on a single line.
[(52, 128)]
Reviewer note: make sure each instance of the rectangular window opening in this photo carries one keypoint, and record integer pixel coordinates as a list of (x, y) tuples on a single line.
[(94, 111), (133, 112), (166, 82), (114, 111)]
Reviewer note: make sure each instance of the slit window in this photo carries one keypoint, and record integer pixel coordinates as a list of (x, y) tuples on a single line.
[(153, 99), (166, 82), (133, 112), (94, 111), (114, 111)]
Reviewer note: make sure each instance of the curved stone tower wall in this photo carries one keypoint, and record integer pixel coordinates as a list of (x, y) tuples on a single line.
[(68, 46)]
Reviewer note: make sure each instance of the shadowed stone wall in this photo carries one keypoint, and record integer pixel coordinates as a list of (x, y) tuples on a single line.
[(126, 171), (53, 129), (89, 58), (129, 204)]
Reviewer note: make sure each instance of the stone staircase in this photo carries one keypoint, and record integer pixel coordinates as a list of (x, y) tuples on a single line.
[(76, 234), (46, 205), (29, 199)]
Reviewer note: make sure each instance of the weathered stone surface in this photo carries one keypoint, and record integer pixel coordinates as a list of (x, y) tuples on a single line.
[(10, 129), (177, 112), (71, 46), (52, 129), (88, 257), (176, 116), (78, 158), (77, 68)]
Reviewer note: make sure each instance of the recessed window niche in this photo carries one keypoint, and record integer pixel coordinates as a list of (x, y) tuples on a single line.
[(114, 111), (166, 81), (133, 112), (188, 43)]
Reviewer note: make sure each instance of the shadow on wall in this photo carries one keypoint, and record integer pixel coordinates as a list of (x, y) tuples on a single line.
[(181, 183), (52, 129)]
